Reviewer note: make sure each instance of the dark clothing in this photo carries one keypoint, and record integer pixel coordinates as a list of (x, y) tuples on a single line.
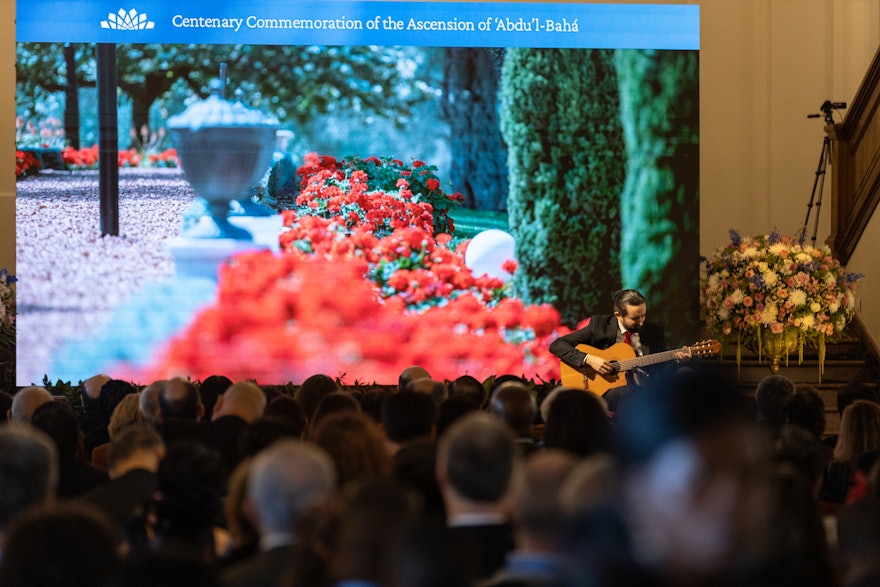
[(601, 333), (122, 498), (265, 568), (76, 478), (486, 547), (836, 480)]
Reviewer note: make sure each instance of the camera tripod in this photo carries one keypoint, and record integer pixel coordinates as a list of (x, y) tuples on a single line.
[(819, 182)]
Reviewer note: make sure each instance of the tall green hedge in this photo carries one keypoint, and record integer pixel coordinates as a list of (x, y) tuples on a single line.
[(560, 118), (659, 248)]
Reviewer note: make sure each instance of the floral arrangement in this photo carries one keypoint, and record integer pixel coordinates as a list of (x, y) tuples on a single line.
[(7, 309), (25, 164), (771, 286), (365, 286)]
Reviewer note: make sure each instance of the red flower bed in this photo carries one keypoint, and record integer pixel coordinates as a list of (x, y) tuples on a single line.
[(25, 164), (87, 158), (366, 285)]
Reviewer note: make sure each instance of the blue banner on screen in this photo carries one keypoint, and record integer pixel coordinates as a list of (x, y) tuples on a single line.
[(570, 25)]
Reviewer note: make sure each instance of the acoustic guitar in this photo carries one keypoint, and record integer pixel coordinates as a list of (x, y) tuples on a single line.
[(623, 358)]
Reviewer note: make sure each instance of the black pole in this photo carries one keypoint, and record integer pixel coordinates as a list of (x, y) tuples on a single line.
[(108, 139)]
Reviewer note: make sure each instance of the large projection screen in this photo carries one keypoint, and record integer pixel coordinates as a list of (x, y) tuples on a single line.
[(454, 185)]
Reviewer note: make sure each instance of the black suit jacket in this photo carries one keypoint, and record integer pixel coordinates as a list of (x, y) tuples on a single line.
[(601, 333)]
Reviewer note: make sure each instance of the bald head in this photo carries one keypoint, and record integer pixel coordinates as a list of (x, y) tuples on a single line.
[(436, 389), (25, 402), (244, 399), (148, 401), (92, 386), (411, 374), (179, 398)]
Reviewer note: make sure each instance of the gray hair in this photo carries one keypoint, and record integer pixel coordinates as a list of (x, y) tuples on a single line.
[(28, 469), (286, 479)]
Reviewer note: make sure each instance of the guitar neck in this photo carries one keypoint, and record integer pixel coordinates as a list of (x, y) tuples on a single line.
[(645, 360)]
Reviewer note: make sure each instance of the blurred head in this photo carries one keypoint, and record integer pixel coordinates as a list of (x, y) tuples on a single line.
[(65, 544), (355, 444), (313, 390), (135, 446), (148, 402), (179, 398), (773, 398), (539, 512), (210, 389), (515, 405), (476, 458), (59, 422), (126, 414), (25, 402), (411, 374), (285, 480), (807, 410), (578, 422), (408, 415), (243, 399), (28, 470), (469, 386), (859, 430), (436, 389)]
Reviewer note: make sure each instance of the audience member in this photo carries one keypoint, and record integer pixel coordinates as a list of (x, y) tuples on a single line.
[(476, 460), (415, 466), (28, 472), (375, 516), (578, 422), (313, 390), (75, 476), (371, 402), (407, 416), (450, 410), (285, 481), (436, 389), (191, 483), (288, 409), (773, 397), (515, 405), (240, 405), (264, 432), (179, 399), (334, 403), (149, 402), (468, 386), (210, 389), (540, 525), (410, 374), (243, 536), (25, 402), (853, 391), (807, 411), (112, 393), (355, 444), (858, 543), (127, 413), (133, 459), (91, 391), (859, 432), (70, 544)]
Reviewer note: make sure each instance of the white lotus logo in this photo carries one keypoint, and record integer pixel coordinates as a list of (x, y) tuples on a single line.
[(127, 21)]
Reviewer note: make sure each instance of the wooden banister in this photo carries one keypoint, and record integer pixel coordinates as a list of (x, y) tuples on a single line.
[(855, 163)]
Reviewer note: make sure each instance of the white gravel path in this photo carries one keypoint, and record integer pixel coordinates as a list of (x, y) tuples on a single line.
[(70, 278)]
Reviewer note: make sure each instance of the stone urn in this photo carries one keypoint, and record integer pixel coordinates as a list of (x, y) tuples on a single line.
[(224, 148)]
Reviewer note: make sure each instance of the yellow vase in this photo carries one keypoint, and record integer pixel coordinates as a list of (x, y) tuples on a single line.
[(774, 346)]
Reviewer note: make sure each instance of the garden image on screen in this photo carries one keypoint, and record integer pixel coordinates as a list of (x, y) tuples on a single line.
[(451, 185)]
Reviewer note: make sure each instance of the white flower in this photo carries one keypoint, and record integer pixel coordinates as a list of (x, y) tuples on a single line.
[(798, 297), (776, 249), (850, 300), (815, 306), (750, 252), (833, 307), (803, 258), (830, 280), (807, 322), (770, 277), (768, 314), (736, 297)]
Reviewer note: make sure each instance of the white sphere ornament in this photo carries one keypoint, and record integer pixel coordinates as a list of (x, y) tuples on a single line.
[(488, 251)]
